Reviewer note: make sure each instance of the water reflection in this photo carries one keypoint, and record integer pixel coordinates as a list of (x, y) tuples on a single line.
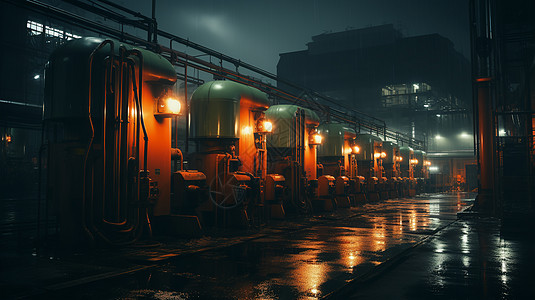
[(313, 275), (413, 220), (434, 209), (505, 256), (311, 271)]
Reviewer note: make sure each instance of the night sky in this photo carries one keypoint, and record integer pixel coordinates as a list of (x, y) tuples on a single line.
[(257, 31)]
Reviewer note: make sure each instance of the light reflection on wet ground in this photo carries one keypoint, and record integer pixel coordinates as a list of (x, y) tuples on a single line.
[(471, 259), (306, 264)]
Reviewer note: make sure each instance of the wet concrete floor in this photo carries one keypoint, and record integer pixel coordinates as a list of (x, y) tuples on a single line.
[(328, 256), (471, 259)]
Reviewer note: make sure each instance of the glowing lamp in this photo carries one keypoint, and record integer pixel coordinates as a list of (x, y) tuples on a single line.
[(315, 139), (377, 155), (268, 125), (264, 126), (168, 107), (8, 138), (383, 154), (427, 163), (356, 149)]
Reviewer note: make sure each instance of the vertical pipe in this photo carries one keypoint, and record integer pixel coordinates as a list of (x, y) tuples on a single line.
[(483, 61), (154, 23), (186, 105), (486, 132)]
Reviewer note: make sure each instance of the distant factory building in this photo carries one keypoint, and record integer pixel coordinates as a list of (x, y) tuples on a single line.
[(419, 85)]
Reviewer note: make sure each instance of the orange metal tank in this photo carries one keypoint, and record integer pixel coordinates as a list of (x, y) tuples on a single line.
[(229, 127), (106, 98)]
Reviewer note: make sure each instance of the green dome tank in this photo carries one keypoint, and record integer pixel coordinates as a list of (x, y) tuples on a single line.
[(420, 156), (282, 117), (366, 144), (334, 135), (67, 75), (390, 149), (406, 153), (215, 108)]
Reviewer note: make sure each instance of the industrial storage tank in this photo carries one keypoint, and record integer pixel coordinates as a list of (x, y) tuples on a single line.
[(391, 165), (292, 152), (289, 132), (107, 102), (215, 109), (369, 163), (407, 171), (335, 153), (229, 127), (337, 158), (420, 170)]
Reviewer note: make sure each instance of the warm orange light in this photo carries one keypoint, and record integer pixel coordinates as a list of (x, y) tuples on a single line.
[(264, 126), (173, 105), (315, 139), (8, 138), (377, 155), (427, 163), (399, 158), (383, 154), (356, 149), (168, 107), (414, 161), (247, 130)]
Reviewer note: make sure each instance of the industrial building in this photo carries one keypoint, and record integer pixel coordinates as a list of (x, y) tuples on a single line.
[(136, 163), (419, 85)]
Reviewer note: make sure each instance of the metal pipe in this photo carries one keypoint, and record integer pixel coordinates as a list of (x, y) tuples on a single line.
[(486, 149), (154, 23), (73, 19), (138, 95), (133, 227), (135, 14), (186, 104), (90, 144), (176, 153)]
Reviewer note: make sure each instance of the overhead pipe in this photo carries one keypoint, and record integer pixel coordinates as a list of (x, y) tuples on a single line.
[(90, 25)]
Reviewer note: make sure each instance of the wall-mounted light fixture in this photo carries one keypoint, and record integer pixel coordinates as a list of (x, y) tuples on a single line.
[(264, 126), (168, 107), (314, 138)]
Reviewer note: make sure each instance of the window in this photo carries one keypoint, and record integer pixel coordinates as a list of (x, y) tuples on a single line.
[(34, 27), (37, 29)]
